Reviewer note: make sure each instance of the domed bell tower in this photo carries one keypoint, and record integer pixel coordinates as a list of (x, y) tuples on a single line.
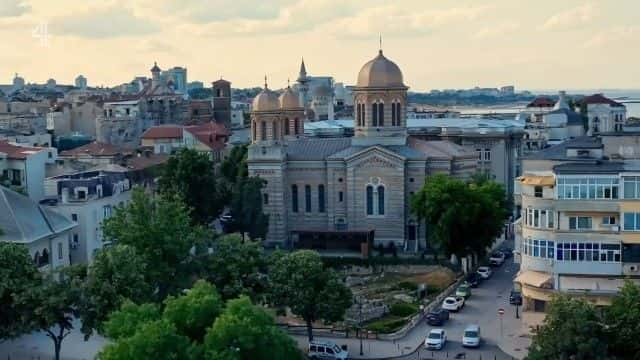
[(380, 99), (267, 130)]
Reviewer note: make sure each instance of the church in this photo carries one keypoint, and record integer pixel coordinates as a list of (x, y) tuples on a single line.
[(347, 193)]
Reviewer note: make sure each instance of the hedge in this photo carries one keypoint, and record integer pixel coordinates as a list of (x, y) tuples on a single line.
[(403, 309)]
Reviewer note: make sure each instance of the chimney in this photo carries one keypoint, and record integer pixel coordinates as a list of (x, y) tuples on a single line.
[(64, 195)]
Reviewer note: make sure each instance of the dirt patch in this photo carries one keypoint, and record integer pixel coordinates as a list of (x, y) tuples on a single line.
[(440, 277)]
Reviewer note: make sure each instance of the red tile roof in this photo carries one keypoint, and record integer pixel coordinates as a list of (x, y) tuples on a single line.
[(144, 161), (17, 152), (163, 132), (94, 149), (542, 101), (211, 134), (211, 126), (599, 99)]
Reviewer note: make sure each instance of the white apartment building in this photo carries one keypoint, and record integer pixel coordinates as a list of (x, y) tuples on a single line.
[(603, 114), (22, 168)]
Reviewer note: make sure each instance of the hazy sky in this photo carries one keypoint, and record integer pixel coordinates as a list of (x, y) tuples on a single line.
[(437, 43)]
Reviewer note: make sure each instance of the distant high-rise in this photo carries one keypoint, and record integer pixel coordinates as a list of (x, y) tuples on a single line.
[(222, 101), (18, 83), (179, 77), (81, 82), (51, 84)]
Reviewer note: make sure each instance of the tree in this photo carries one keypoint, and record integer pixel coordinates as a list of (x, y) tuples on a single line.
[(190, 174), (571, 330), (124, 322), (155, 340), (462, 218), (160, 230), (245, 331), (623, 320), (116, 274), (300, 281), (234, 167), (194, 312), (246, 207), (17, 275), (52, 305), (235, 267)]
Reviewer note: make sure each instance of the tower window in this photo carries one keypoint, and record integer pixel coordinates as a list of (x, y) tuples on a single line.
[(263, 130), (276, 135), (381, 114), (294, 198), (307, 198), (340, 196), (321, 205), (380, 200), (374, 112), (286, 126)]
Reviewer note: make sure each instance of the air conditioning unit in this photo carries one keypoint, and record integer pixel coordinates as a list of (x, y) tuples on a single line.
[(615, 228), (633, 268)]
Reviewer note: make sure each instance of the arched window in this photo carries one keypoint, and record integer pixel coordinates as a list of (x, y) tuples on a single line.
[(36, 258), (276, 135), (44, 258), (254, 131), (294, 198), (374, 113), (321, 196), (393, 114), (286, 126), (380, 200), (369, 200), (364, 115), (307, 198), (359, 114), (381, 114), (296, 127), (263, 130), (396, 113)]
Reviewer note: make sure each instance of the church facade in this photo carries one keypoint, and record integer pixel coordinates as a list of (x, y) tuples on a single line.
[(332, 193)]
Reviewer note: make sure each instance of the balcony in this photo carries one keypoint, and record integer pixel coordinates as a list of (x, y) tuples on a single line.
[(591, 205)]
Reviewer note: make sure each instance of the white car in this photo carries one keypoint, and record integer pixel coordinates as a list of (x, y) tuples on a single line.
[(497, 258), (471, 336), (319, 349), (452, 303), (436, 339), (484, 272)]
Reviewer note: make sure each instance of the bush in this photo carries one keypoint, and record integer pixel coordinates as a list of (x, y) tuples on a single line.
[(338, 262), (403, 309), (408, 285), (386, 325), (432, 289)]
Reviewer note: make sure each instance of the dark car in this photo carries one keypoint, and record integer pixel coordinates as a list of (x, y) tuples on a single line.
[(508, 252), (437, 317), (473, 280), (515, 298)]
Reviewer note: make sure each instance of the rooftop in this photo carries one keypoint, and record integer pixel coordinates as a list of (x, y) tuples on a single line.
[(94, 149), (600, 99), (559, 152), (17, 152)]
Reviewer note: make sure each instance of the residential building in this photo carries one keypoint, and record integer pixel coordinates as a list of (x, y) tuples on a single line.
[(95, 153), (603, 114), (88, 198), (578, 229), (178, 76), (81, 82), (210, 138), (44, 232), (23, 168), (346, 193)]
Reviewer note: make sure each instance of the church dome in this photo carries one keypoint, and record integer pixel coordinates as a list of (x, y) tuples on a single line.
[(266, 100), (289, 99), (380, 72)]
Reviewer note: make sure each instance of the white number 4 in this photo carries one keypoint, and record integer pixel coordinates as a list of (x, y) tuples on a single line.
[(41, 32)]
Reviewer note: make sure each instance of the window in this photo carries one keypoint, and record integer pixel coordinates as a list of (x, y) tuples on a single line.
[(380, 200), (265, 199), (537, 191), (374, 112), (479, 152), (487, 154), (381, 114), (398, 113), (579, 223), (294, 198), (106, 211), (589, 252), (340, 196), (296, 126), (588, 188), (254, 131), (287, 123), (263, 130), (60, 252), (609, 220), (321, 198), (274, 129), (538, 248), (631, 187), (631, 221), (74, 217), (307, 198), (369, 200)]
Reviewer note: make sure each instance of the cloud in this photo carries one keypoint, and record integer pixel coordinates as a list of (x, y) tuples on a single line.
[(571, 18), (102, 23), (496, 30), (613, 35), (206, 11), (11, 8)]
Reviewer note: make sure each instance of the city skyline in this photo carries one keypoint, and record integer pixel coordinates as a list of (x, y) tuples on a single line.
[(438, 44)]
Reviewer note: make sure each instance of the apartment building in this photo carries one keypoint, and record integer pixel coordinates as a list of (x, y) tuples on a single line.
[(579, 230)]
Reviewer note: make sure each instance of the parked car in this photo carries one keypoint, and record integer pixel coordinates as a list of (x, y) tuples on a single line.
[(515, 298), (453, 303), (436, 339), (484, 272), (473, 280), (320, 349), (464, 291), (471, 336), (496, 259), (437, 317), (507, 251)]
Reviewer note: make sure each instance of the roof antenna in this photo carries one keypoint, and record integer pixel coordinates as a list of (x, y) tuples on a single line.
[(380, 44), (265, 81), (288, 83)]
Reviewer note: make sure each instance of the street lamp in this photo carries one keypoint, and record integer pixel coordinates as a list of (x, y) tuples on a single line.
[(360, 325)]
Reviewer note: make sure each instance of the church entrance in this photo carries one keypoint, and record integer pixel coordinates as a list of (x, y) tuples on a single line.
[(335, 241)]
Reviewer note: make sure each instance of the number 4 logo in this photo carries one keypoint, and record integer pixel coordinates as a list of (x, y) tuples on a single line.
[(41, 32)]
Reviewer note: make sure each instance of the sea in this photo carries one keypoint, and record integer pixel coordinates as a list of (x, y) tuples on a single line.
[(630, 98)]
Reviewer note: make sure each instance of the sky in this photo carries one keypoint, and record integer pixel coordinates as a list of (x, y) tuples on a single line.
[(438, 44)]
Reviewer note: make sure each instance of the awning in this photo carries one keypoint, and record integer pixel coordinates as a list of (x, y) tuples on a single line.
[(535, 279), (538, 180), (590, 284)]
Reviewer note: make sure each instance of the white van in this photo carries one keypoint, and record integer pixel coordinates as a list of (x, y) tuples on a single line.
[(321, 349), (471, 336)]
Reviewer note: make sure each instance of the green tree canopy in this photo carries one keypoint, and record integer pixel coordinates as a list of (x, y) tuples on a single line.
[(116, 274), (571, 330), (124, 322), (190, 174), (195, 311), (462, 218), (235, 267), (18, 274), (234, 167), (623, 320), (245, 331), (300, 281), (160, 230), (246, 207)]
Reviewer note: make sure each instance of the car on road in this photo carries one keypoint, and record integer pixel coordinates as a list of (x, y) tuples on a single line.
[(463, 290), (484, 272), (508, 252), (471, 336), (436, 339), (496, 259), (452, 303), (515, 298), (437, 317), (473, 280), (320, 349)]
